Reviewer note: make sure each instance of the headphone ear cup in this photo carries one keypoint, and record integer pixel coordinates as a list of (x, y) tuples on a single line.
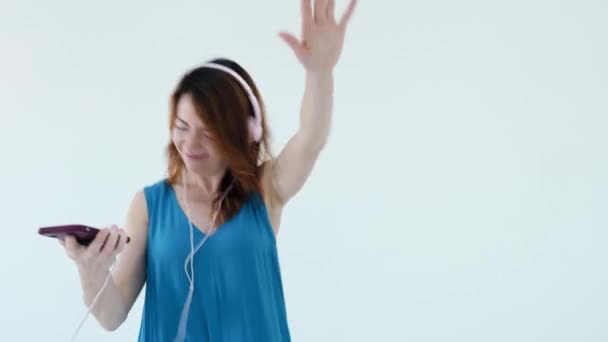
[(255, 129)]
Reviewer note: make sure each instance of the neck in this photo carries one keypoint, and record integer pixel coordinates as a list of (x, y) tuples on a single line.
[(208, 184)]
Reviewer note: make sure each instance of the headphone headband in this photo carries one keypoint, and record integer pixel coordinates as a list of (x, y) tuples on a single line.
[(255, 123)]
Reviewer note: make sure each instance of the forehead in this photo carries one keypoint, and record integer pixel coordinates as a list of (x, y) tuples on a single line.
[(186, 111)]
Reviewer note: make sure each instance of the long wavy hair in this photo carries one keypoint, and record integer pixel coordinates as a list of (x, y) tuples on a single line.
[(224, 107)]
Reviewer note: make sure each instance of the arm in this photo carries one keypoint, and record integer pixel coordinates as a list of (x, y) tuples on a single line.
[(294, 164), (123, 287), (318, 51)]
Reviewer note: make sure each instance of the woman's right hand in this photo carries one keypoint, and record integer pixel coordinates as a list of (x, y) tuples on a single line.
[(101, 253)]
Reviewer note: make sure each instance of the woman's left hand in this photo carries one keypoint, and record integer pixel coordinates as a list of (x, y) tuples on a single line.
[(322, 37)]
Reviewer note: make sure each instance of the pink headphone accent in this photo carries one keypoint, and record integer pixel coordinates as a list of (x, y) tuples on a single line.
[(255, 123)]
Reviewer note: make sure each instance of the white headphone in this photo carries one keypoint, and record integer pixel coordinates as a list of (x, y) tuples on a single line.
[(255, 123)]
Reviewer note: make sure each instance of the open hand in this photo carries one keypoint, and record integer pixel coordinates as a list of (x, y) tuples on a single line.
[(322, 37)]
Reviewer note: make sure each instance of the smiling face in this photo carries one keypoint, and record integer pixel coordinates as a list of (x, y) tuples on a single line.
[(194, 142)]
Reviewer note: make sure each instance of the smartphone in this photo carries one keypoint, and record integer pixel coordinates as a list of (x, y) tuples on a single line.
[(83, 234)]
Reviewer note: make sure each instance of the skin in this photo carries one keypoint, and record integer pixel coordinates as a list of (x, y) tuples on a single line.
[(318, 51)]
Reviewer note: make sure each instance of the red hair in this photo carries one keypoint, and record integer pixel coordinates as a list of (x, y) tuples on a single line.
[(223, 106)]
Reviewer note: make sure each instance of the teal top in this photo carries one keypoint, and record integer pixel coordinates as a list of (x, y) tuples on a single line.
[(238, 291)]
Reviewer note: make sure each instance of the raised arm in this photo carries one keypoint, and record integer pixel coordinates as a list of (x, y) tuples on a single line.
[(318, 51)]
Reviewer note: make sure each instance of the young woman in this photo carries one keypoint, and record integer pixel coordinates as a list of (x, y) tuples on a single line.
[(203, 239)]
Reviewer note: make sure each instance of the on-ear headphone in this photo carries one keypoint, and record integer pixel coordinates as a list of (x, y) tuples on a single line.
[(255, 123)]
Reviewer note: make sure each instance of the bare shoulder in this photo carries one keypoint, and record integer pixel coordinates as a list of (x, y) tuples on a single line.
[(138, 209), (273, 205), (136, 225)]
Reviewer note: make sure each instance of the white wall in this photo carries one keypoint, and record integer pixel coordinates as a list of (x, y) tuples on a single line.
[(462, 196)]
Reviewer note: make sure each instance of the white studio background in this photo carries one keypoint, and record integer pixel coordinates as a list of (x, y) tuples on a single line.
[(463, 195)]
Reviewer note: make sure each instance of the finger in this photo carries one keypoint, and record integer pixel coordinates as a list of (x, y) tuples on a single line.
[(319, 11), (116, 230), (122, 241), (100, 239), (293, 42), (306, 9), (348, 13), (331, 6), (71, 245), (111, 242)]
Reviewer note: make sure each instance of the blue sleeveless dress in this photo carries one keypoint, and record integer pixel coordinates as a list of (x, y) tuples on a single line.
[(238, 291)]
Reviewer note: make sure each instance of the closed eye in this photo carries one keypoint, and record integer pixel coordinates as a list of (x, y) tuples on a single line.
[(181, 124)]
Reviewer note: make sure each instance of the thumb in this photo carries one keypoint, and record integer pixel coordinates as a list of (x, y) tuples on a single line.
[(72, 246), (293, 43)]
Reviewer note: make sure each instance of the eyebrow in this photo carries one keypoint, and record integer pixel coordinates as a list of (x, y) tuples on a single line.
[(204, 129), (182, 120)]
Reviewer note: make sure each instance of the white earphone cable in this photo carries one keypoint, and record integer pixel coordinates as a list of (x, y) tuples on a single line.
[(105, 283), (181, 330)]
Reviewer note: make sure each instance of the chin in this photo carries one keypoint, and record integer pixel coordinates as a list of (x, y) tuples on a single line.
[(204, 167)]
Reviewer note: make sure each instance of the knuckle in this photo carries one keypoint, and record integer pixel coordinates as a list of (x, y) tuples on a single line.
[(107, 251)]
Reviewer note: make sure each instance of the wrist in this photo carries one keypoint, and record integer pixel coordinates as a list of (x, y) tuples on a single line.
[(90, 273), (320, 75)]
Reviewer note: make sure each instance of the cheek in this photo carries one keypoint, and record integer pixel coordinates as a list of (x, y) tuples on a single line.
[(211, 149), (178, 137)]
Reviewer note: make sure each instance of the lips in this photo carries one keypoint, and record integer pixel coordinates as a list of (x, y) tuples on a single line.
[(195, 156)]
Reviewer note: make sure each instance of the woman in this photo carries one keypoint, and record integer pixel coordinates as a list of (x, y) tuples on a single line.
[(203, 239)]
